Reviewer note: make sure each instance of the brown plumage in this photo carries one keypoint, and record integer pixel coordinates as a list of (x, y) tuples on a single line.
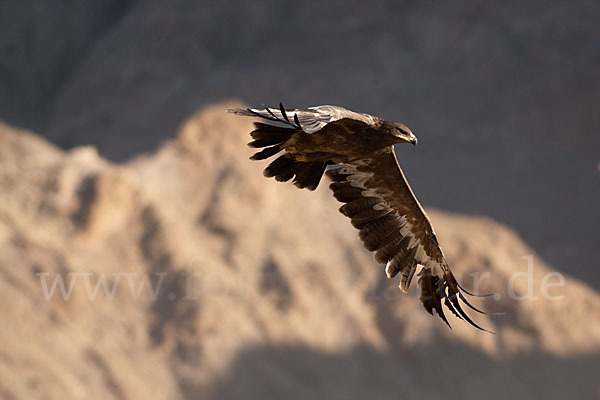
[(370, 183)]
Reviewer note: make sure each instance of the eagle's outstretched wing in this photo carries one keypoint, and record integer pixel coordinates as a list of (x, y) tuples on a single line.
[(310, 119), (378, 199), (392, 223)]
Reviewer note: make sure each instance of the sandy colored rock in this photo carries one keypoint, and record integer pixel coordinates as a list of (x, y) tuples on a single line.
[(262, 290)]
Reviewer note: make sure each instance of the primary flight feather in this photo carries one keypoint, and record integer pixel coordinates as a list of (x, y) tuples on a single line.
[(367, 178)]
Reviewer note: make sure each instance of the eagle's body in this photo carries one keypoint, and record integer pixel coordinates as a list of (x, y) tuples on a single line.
[(377, 197)]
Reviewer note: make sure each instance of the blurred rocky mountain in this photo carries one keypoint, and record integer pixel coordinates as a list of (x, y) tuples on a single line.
[(504, 97), (260, 290)]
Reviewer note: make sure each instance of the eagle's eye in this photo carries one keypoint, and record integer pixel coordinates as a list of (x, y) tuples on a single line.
[(402, 131)]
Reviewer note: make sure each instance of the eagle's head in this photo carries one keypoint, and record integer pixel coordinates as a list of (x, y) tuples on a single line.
[(401, 133)]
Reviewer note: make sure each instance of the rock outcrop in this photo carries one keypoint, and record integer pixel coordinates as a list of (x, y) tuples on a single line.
[(191, 275)]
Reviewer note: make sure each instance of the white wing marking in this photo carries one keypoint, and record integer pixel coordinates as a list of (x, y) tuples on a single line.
[(310, 120), (358, 179)]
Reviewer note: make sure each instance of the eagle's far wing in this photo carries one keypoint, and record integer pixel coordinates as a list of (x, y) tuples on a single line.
[(392, 223), (310, 119)]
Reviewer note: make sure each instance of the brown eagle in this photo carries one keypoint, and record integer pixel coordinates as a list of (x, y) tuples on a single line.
[(356, 152)]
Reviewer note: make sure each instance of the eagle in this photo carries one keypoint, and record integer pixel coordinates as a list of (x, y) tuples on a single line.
[(356, 152)]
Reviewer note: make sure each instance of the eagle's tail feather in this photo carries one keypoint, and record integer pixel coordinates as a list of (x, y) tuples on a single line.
[(309, 175), (268, 135), (306, 174), (285, 167), (282, 168), (266, 153)]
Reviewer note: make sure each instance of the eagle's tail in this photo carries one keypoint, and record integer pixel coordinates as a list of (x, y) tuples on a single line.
[(285, 167)]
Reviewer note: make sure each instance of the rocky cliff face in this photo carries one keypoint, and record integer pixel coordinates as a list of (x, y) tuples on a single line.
[(503, 98), (256, 289)]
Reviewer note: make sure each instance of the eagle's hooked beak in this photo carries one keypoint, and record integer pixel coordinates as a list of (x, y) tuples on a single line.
[(404, 134)]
